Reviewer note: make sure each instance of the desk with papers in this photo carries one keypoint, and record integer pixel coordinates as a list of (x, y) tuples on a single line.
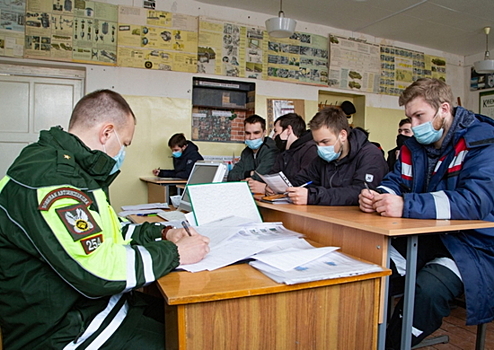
[(238, 307), (159, 187), (366, 236)]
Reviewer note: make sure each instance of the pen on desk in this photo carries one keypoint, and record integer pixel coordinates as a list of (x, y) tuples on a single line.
[(186, 227)]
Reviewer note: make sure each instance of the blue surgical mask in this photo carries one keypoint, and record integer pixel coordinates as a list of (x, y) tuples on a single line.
[(177, 154), (327, 153), (426, 134), (254, 144), (119, 158)]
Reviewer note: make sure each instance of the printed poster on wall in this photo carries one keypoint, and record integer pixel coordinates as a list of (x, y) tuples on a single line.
[(481, 81), (399, 68), (435, 67), (49, 29), (301, 58), (354, 65), (71, 30), (12, 18), (157, 40), (486, 103), (95, 32), (231, 49)]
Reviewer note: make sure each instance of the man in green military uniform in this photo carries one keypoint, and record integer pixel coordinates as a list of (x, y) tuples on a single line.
[(68, 267)]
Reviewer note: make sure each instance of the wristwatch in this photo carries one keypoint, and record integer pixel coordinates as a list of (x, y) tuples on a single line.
[(165, 230)]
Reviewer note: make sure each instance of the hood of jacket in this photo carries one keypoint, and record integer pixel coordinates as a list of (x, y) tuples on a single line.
[(61, 156)]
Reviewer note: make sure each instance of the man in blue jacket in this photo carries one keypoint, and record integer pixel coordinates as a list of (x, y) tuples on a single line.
[(444, 172)]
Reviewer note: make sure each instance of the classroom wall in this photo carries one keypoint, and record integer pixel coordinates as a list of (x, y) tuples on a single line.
[(162, 100)]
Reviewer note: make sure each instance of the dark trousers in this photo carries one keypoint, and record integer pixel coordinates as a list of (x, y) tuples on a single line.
[(435, 288), (143, 328)]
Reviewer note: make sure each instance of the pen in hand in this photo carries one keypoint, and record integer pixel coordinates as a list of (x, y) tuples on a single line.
[(186, 227), (305, 184), (367, 186)]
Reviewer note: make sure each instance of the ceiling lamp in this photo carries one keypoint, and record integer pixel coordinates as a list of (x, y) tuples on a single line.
[(280, 27), (487, 65)]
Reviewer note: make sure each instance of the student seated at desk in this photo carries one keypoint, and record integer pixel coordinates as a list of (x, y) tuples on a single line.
[(260, 153), (444, 171), (185, 154), (297, 147), (69, 271), (347, 160)]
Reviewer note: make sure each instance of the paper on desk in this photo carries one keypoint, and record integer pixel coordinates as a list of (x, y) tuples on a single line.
[(331, 265), (230, 244), (227, 253), (141, 212), (172, 215), (291, 258), (278, 182), (214, 201), (146, 206)]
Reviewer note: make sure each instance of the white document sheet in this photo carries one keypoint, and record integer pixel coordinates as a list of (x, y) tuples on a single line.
[(146, 206), (215, 201), (291, 258)]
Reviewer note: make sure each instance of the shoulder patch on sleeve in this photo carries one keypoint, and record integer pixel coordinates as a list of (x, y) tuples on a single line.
[(78, 221), (64, 192), (90, 244)]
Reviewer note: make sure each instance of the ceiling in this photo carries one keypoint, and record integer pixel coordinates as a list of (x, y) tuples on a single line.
[(454, 26)]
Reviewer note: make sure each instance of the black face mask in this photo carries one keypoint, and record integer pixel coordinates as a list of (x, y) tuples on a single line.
[(281, 144), (400, 140)]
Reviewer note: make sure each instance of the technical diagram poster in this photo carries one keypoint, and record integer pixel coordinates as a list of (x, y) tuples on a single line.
[(49, 26), (301, 58), (354, 65), (12, 18), (157, 40), (95, 32), (71, 30), (231, 49), (399, 68)]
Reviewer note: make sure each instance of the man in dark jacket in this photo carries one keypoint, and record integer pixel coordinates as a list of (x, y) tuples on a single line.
[(185, 154), (445, 171), (297, 147), (260, 153), (68, 268), (347, 160), (404, 133)]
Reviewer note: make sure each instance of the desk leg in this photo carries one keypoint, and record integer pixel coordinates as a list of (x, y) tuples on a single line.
[(158, 193), (409, 298), (381, 333)]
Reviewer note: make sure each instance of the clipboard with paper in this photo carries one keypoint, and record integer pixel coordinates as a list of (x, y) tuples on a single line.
[(278, 182)]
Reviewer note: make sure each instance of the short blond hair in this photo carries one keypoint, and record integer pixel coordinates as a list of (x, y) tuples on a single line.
[(433, 91)]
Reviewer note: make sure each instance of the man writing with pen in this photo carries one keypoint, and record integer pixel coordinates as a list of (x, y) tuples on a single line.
[(347, 160)]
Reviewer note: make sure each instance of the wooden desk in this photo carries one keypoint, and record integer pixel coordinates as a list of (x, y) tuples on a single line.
[(237, 307), (366, 236), (159, 187)]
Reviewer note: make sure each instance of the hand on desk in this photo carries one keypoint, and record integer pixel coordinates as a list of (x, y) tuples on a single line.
[(191, 248), (256, 186), (385, 204), (298, 195), (156, 172)]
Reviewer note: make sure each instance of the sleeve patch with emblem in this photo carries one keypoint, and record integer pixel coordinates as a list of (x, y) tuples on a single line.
[(90, 244), (78, 221)]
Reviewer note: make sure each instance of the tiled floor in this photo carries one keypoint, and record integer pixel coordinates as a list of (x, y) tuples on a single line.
[(461, 337)]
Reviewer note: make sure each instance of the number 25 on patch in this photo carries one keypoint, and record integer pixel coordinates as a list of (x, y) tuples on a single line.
[(92, 243)]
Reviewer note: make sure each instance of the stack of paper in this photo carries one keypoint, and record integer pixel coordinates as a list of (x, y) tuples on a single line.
[(232, 240), (310, 264)]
